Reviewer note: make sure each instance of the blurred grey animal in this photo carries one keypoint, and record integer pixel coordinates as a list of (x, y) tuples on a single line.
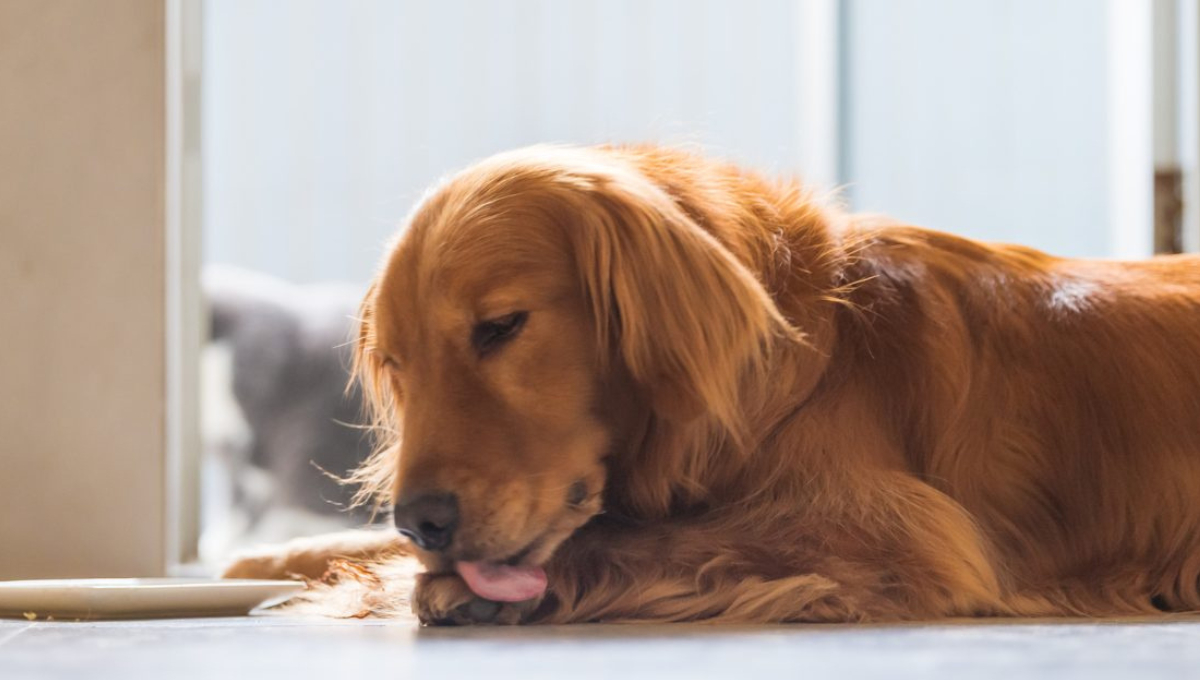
[(290, 366)]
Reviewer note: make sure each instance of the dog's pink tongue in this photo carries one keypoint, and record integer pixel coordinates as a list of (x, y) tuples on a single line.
[(502, 583)]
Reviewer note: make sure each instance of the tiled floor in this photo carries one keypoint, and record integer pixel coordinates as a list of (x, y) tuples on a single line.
[(294, 648)]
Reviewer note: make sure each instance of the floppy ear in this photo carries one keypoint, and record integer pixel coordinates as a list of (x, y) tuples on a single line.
[(685, 316), (375, 475), (364, 368)]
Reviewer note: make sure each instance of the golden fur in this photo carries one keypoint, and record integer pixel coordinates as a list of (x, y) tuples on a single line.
[(781, 412)]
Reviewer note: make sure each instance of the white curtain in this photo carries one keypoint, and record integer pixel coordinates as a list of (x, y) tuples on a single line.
[(323, 120)]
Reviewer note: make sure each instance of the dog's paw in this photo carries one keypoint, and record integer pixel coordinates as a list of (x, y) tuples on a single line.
[(278, 562), (445, 600), (258, 566)]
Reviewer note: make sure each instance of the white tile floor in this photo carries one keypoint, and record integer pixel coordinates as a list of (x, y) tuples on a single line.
[(296, 648)]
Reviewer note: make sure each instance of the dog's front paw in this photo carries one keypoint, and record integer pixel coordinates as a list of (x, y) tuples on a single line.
[(445, 600)]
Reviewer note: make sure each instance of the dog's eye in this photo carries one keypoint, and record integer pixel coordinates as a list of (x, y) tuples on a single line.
[(577, 494), (491, 334)]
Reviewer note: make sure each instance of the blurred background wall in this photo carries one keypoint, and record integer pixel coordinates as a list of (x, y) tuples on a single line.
[(324, 121), (987, 118)]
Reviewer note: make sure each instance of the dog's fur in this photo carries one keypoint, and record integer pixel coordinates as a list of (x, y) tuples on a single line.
[(781, 412)]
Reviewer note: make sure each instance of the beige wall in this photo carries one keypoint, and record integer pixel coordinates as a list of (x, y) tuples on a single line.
[(82, 128)]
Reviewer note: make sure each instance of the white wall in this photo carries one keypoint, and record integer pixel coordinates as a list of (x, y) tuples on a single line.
[(988, 118), (325, 120)]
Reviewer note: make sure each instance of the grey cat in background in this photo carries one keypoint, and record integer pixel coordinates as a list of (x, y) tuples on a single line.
[(287, 350)]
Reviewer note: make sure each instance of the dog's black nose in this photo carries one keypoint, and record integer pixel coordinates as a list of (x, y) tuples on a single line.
[(428, 518)]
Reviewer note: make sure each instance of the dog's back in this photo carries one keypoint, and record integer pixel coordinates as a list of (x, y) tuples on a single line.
[(1057, 400)]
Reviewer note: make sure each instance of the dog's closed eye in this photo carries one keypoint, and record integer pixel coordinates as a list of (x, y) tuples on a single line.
[(578, 493), (489, 335)]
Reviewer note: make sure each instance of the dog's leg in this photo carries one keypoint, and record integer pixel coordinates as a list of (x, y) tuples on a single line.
[(659, 574), (729, 571), (895, 549), (904, 552), (689, 573), (693, 572), (309, 557)]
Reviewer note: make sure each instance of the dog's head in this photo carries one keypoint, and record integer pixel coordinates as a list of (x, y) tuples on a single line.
[(539, 309)]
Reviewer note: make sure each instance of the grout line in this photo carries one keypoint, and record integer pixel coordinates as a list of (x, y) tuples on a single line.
[(8, 638)]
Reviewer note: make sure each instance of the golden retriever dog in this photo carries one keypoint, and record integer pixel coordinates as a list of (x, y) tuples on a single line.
[(635, 384)]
